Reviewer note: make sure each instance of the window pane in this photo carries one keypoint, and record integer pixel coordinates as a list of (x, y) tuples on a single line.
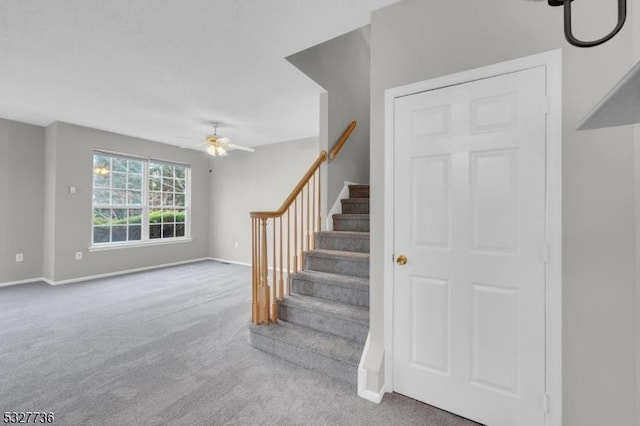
[(101, 181), (167, 185), (119, 233), (134, 198), (119, 180), (155, 184), (168, 216), (155, 231), (179, 200), (101, 196), (167, 199), (180, 216), (119, 216), (168, 231), (155, 216), (179, 230), (101, 216), (135, 182), (180, 172), (135, 166), (101, 234), (119, 164), (119, 198), (155, 198), (135, 233), (155, 170), (167, 171), (135, 216), (180, 185)]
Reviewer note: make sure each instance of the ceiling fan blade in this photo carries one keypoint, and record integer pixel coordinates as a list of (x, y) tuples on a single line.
[(224, 140), (240, 147), (194, 145)]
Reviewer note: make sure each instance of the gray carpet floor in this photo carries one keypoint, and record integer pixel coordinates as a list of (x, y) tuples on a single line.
[(167, 347)]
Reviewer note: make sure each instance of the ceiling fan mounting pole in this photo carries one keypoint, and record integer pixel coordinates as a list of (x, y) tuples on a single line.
[(568, 33)]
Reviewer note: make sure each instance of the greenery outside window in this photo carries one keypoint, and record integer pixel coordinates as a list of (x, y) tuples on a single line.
[(138, 200)]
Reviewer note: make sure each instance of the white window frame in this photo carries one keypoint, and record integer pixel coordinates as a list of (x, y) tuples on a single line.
[(146, 208)]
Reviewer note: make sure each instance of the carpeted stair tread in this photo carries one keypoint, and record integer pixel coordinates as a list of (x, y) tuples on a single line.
[(315, 342), (352, 313), (338, 262), (358, 191), (351, 222), (355, 205), (345, 289), (345, 234), (342, 241), (360, 216), (339, 254), (345, 321), (328, 278)]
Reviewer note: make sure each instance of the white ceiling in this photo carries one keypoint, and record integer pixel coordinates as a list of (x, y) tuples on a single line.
[(158, 69)]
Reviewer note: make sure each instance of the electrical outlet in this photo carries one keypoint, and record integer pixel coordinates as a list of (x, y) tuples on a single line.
[(19, 257), (79, 255)]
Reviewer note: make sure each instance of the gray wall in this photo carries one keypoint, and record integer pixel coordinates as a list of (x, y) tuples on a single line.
[(21, 200), (341, 67), (416, 40), (260, 181), (69, 231), (635, 19)]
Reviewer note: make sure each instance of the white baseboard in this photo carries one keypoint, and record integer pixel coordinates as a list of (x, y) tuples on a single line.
[(124, 272), (116, 273), (233, 262), (27, 281), (337, 205), (363, 382)]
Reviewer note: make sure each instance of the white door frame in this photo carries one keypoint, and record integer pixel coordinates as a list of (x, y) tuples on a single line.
[(553, 62)]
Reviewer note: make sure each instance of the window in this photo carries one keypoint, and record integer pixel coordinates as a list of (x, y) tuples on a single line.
[(137, 200)]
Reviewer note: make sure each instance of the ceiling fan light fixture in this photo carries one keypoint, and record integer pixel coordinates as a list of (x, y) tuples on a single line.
[(216, 150)]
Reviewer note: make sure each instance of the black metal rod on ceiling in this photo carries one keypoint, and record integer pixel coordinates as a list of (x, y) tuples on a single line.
[(622, 16)]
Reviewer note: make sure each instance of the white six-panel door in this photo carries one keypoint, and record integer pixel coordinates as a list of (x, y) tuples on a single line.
[(469, 304)]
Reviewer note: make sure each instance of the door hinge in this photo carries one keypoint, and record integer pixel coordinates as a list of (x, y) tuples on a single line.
[(545, 403)]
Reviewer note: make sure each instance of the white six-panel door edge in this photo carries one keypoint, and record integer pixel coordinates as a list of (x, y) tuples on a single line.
[(552, 61)]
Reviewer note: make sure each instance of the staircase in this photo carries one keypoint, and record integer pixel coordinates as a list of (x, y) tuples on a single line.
[(323, 323)]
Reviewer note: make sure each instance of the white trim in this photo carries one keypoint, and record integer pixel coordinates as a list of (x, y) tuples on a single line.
[(147, 243), (27, 281), (124, 272), (552, 60), (363, 391), (337, 205), (233, 262)]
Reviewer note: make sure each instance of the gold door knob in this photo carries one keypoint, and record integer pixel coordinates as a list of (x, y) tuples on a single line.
[(402, 259)]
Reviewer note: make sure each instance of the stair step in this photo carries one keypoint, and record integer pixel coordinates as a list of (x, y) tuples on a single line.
[(358, 191), (335, 287), (337, 262), (347, 321), (355, 205), (351, 222), (342, 240), (327, 354)]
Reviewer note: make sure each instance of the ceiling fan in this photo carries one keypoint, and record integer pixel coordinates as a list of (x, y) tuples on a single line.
[(218, 145)]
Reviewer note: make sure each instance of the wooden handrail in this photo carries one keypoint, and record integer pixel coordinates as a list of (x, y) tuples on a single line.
[(272, 237), (296, 191), (340, 143)]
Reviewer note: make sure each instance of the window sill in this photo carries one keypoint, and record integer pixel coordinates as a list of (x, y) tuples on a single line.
[(117, 246)]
